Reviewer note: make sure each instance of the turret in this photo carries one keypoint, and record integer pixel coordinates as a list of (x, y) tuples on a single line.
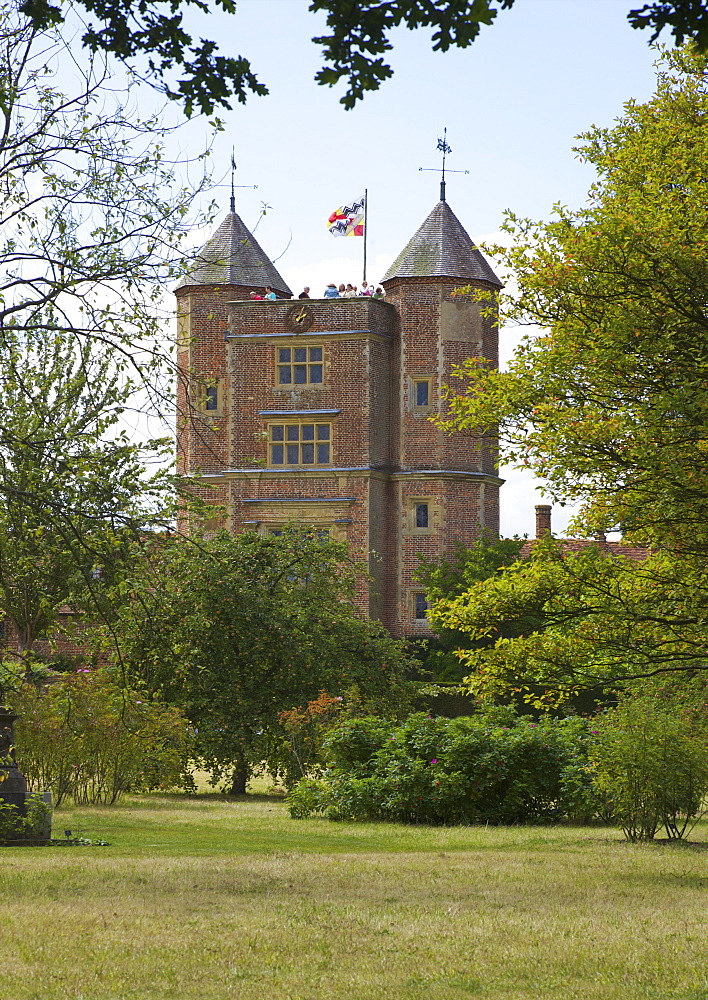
[(228, 268), (447, 483)]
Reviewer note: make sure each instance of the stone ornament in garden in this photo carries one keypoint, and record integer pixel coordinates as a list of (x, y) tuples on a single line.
[(25, 818)]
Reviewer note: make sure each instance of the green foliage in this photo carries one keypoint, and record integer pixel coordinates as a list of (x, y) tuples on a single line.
[(30, 828), (609, 404), (359, 35), (355, 743), (92, 217), (600, 621), (310, 797), (455, 572), (129, 32), (591, 405), (447, 771), (358, 39), (238, 630), (448, 577), (75, 497), (650, 758), (91, 225), (687, 19), (89, 738)]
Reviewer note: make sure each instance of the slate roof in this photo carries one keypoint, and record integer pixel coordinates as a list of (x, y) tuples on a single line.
[(441, 248), (233, 257)]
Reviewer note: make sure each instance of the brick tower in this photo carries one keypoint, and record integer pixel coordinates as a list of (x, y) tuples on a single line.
[(317, 411)]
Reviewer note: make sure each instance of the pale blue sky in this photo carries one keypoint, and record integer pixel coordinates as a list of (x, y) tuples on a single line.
[(512, 104)]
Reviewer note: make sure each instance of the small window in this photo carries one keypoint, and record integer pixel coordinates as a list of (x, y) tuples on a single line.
[(300, 444), (208, 395), (422, 515), (299, 366), (420, 607), (421, 393)]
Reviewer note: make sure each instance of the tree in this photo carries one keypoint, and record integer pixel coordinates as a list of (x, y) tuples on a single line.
[(592, 622), (650, 758), (92, 217), (89, 738), (454, 573), (237, 630), (609, 403), (353, 51), (75, 495), (450, 576), (92, 221)]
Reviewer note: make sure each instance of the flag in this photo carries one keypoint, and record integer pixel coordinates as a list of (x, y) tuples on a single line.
[(348, 219)]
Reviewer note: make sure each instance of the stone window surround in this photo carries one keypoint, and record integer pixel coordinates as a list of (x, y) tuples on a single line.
[(320, 442), (414, 597), (207, 389), (293, 345), (413, 382), (434, 515)]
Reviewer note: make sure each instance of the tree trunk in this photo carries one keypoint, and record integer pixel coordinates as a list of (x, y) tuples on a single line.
[(239, 779)]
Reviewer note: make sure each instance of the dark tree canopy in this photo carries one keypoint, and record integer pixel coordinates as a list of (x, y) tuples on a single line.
[(237, 630), (687, 19), (353, 50)]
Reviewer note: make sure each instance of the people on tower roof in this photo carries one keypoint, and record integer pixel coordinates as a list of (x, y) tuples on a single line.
[(348, 291)]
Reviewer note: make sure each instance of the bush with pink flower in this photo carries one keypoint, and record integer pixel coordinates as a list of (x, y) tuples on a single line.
[(443, 771)]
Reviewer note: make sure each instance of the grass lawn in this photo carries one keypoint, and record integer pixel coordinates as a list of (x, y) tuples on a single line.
[(206, 898)]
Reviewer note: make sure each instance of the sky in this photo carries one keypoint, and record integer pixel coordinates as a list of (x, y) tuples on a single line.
[(512, 103)]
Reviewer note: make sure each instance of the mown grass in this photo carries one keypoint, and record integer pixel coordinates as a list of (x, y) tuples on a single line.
[(206, 898)]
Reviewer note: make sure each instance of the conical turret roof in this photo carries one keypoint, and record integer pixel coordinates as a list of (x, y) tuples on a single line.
[(441, 248), (233, 257)]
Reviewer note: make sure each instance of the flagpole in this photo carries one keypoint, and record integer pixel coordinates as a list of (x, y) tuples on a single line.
[(366, 225)]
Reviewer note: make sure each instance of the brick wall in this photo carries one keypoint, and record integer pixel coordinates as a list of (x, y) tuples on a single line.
[(373, 353)]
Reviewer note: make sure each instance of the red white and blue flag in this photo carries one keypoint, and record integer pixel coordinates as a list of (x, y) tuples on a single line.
[(348, 219)]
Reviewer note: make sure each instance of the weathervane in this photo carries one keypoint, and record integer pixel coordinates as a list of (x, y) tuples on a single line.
[(444, 148), (233, 186)]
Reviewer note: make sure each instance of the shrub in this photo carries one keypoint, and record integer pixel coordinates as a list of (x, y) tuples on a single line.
[(309, 797), (296, 751), (444, 771), (354, 742), (87, 737), (651, 758), (33, 827)]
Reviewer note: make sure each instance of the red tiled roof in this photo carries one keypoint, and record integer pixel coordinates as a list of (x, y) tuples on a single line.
[(623, 549)]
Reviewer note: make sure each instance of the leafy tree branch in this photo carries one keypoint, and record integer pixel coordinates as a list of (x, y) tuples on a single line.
[(152, 34)]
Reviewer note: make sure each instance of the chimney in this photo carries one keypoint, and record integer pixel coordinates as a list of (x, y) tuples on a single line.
[(543, 519), (600, 537)]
